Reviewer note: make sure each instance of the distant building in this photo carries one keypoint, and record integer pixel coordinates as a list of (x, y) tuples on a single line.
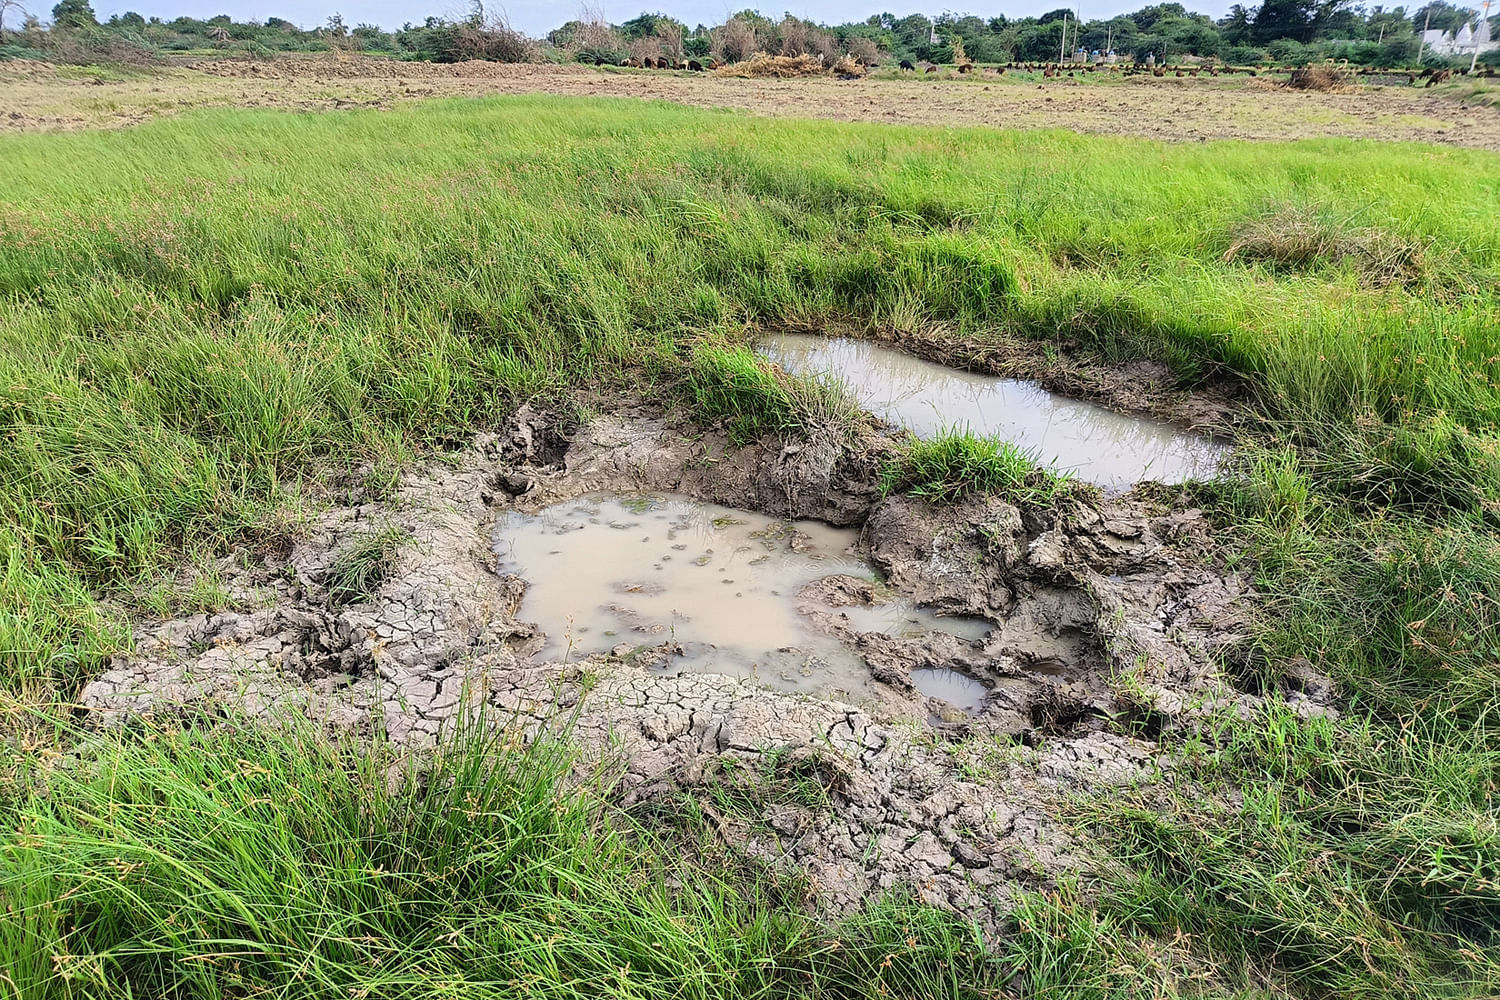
[(1469, 40)]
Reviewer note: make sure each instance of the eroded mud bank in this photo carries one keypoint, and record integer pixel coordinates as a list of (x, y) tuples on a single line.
[(1103, 612)]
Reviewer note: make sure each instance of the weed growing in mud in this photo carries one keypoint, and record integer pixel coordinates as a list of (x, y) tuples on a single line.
[(239, 860), (958, 464), (736, 386), (363, 565)]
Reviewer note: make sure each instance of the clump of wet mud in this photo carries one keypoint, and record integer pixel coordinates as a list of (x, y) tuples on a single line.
[(1096, 612)]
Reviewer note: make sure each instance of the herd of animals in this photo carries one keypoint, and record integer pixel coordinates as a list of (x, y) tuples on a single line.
[(1432, 77)]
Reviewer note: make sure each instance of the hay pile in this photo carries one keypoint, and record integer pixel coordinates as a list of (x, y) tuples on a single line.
[(783, 67), (1325, 77)]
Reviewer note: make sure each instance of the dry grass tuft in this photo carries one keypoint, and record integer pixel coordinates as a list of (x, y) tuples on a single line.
[(1298, 239), (1325, 77), (763, 65)]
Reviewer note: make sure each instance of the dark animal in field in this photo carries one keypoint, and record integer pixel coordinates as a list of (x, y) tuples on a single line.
[(1049, 72), (600, 61), (632, 63), (908, 65), (966, 68), (1158, 71), (695, 66), (1441, 76), (1000, 71), (712, 64), (930, 69)]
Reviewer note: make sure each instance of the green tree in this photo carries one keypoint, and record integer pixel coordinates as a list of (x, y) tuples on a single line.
[(74, 14)]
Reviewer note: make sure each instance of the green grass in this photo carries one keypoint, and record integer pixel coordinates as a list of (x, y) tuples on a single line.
[(737, 387), (957, 464), (227, 861), (363, 565), (206, 320)]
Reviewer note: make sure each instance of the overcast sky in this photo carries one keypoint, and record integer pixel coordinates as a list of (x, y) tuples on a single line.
[(537, 17)]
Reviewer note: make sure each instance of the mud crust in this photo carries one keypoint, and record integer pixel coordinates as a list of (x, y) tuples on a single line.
[(1113, 621)]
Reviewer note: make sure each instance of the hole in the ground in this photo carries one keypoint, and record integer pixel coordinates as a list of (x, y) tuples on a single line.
[(957, 689), (1100, 446), (606, 572), (1057, 714)]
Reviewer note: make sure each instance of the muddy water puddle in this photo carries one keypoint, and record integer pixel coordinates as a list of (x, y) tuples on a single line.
[(1096, 444), (958, 690), (722, 583), (609, 571)]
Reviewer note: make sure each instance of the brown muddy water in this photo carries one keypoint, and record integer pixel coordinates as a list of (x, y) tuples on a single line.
[(1095, 444), (640, 571)]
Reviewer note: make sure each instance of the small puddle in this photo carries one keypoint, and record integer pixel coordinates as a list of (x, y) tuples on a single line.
[(958, 690), (640, 571), (1096, 444)]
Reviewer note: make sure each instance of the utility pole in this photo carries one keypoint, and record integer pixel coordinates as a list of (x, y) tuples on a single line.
[(1422, 39), (1474, 60), (1063, 47)]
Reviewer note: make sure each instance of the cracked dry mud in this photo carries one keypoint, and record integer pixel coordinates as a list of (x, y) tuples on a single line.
[(1102, 610)]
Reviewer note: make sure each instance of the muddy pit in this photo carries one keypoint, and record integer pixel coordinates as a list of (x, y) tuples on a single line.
[(1105, 620), (702, 587), (1097, 445)]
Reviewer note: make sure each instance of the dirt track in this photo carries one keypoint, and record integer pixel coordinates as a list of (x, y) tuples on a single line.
[(36, 96)]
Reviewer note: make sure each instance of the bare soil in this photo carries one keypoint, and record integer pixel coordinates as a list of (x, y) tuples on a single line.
[(34, 96)]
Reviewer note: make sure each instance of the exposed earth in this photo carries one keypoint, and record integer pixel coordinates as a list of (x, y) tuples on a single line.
[(40, 96), (1113, 621)]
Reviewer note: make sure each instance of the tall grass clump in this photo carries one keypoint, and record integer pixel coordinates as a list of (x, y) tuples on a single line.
[(957, 464), (738, 387), (363, 565), (236, 859)]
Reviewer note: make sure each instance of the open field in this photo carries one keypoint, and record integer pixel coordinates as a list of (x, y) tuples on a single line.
[(1187, 109), (267, 380)]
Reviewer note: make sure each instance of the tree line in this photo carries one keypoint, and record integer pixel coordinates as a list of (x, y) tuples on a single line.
[(1285, 32)]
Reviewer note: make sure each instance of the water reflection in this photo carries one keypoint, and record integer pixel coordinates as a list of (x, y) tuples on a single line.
[(1095, 444)]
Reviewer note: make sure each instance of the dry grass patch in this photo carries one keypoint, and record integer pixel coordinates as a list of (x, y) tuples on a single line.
[(1326, 77), (1299, 239), (762, 65)]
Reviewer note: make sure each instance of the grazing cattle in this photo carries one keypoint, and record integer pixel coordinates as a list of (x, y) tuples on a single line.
[(930, 69), (712, 64), (632, 63), (1441, 76), (1049, 72), (695, 66), (907, 65), (966, 68), (600, 61)]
